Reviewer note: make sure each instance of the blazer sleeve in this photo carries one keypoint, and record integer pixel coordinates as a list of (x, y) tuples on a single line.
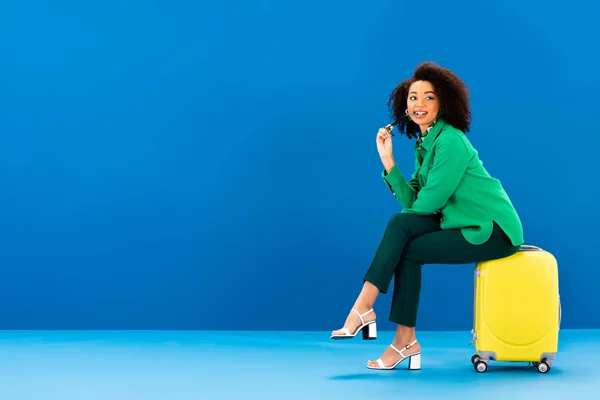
[(405, 192), (450, 162)]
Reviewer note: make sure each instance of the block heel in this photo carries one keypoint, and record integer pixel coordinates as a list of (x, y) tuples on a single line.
[(369, 332), (414, 362)]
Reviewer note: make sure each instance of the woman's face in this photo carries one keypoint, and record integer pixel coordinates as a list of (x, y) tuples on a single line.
[(423, 100)]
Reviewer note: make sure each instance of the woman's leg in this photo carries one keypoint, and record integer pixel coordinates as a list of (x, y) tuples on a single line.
[(401, 229), (441, 247)]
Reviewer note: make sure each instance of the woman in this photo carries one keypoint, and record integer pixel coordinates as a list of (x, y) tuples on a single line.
[(453, 212)]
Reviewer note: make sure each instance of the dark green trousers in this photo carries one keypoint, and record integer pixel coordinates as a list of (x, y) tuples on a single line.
[(409, 242)]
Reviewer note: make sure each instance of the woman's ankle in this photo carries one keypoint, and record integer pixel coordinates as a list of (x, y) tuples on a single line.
[(362, 306), (404, 341), (405, 335), (367, 313), (367, 297)]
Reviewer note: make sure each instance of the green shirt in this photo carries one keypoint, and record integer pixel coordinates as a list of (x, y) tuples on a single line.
[(450, 178)]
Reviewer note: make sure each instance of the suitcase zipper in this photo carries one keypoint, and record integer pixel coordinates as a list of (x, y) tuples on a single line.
[(476, 275)]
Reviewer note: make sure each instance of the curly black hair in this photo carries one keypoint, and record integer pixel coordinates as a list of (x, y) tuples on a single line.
[(451, 90)]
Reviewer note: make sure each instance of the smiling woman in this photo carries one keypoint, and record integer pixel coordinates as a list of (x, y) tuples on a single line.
[(454, 212), (423, 103)]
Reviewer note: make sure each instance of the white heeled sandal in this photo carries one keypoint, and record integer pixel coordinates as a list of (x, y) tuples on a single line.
[(369, 329), (414, 360)]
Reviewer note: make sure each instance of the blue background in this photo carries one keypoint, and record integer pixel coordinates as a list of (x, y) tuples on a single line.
[(176, 165)]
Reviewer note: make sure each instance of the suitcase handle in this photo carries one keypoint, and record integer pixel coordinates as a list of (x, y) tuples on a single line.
[(526, 247), (559, 312)]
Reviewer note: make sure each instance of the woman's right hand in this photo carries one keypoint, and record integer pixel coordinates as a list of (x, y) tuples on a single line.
[(384, 147)]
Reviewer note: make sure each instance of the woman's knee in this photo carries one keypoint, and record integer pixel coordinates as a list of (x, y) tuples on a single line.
[(398, 224), (401, 219), (413, 224)]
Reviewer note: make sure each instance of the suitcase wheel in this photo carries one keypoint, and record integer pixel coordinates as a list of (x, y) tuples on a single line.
[(480, 366), (474, 359), (542, 367)]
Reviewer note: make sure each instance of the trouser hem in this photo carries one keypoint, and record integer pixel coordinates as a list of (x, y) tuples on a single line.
[(382, 287), (404, 322)]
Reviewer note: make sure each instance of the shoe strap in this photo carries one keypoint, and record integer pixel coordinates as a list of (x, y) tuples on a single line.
[(361, 316), (401, 352)]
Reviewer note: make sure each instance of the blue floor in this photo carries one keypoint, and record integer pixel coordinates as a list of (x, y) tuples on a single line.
[(81, 365)]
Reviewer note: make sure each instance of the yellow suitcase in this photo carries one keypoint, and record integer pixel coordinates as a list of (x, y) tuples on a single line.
[(517, 310)]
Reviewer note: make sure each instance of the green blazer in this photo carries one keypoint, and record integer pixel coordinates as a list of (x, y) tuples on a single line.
[(450, 178)]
